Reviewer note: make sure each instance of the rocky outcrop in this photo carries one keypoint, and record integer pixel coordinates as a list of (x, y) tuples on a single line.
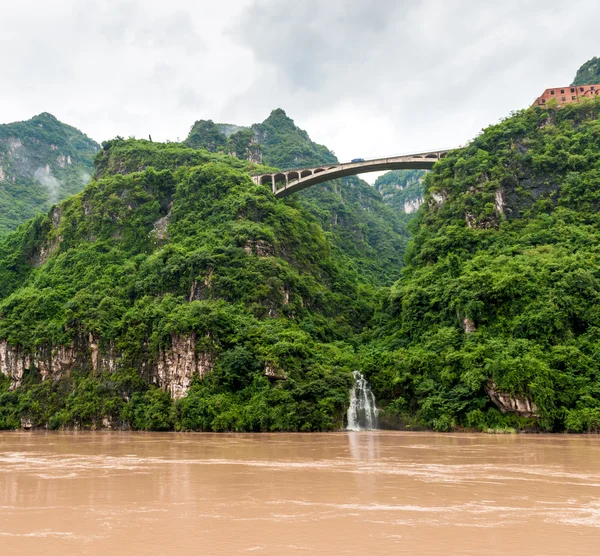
[(259, 248), (13, 363), (412, 205), (49, 247), (274, 373), (507, 403), (173, 371), (469, 326), (160, 227), (178, 365)]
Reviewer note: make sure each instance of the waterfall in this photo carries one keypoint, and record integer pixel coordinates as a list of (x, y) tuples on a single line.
[(362, 413)]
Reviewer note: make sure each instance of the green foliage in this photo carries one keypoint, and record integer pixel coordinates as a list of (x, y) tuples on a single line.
[(370, 236), (42, 161), (399, 187), (589, 73), (502, 285), (168, 243), (206, 135)]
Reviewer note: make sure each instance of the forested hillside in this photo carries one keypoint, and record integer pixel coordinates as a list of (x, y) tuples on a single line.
[(589, 73), (370, 235), (174, 293), (402, 190), (495, 321), (42, 161)]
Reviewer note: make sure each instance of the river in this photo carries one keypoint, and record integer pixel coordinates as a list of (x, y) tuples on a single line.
[(112, 493)]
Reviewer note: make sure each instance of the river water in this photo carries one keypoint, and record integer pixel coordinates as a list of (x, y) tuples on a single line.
[(344, 493)]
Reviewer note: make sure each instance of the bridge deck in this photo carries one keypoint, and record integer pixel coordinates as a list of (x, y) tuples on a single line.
[(291, 181)]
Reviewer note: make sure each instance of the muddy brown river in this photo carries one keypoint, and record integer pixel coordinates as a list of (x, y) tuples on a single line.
[(365, 493)]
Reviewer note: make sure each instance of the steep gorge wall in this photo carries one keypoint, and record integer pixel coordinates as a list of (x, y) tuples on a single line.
[(172, 370)]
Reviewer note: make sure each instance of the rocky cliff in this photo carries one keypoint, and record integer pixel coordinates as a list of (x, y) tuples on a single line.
[(42, 161), (402, 190), (494, 321), (175, 293)]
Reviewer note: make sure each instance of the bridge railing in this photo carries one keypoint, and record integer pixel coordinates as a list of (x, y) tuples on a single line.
[(401, 155), (372, 159)]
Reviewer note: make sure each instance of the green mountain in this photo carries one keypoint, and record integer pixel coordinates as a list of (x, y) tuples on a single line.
[(589, 73), (370, 235), (402, 190), (42, 161), (495, 322), (174, 293)]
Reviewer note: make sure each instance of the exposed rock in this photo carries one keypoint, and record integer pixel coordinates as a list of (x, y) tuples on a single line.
[(2, 174), (520, 405), (485, 223), (197, 289), (14, 144), (55, 361), (161, 226), (13, 363), (499, 201), (46, 250), (412, 205), (26, 423), (178, 365), (469, 326), (273, 372), (173, 371), (438, 198), (259, 247)]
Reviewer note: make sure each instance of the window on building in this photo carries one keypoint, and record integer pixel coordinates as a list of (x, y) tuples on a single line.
[(564, 99), (562, 91), (543, 101), (551, 92), (573, 97), (593, 87), (581, 89)]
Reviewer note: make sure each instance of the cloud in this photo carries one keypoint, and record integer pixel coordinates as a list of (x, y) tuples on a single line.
[(364, 77), (435, 71)]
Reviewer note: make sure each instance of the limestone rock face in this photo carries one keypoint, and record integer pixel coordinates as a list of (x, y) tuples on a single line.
[(520, 405), (469, 326), (173, 371), (13, 364), (178, 365), (259, 248)]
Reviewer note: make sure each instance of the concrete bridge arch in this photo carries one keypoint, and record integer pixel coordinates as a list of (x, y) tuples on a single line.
[(286, 182)]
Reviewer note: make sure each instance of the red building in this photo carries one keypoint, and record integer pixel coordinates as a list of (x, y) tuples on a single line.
[(567, 95)]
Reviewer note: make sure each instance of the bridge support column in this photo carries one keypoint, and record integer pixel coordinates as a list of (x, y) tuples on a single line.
[(273, 184)]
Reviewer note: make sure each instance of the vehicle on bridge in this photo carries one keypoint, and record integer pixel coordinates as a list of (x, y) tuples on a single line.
[(357, 160)]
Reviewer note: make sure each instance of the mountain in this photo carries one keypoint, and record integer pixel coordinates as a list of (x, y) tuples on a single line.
[(589, 73), (172, 292), (402, 190), (371, 236), (495, 322), (42, 161)]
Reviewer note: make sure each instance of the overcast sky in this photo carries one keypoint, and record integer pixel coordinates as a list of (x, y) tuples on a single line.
[(364, 77)]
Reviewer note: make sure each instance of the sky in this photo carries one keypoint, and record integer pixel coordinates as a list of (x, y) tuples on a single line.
[(366, 78)]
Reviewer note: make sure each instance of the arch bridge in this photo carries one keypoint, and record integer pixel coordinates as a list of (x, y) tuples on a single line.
[(286, 182)]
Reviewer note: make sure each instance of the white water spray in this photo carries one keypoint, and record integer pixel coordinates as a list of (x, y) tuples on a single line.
[(362, 413)]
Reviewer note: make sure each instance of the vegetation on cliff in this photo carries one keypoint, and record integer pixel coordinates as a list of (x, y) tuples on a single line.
[(42, 161), (370, 235), (501, 290), (402, 190), (589, 73), (172, 245)]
